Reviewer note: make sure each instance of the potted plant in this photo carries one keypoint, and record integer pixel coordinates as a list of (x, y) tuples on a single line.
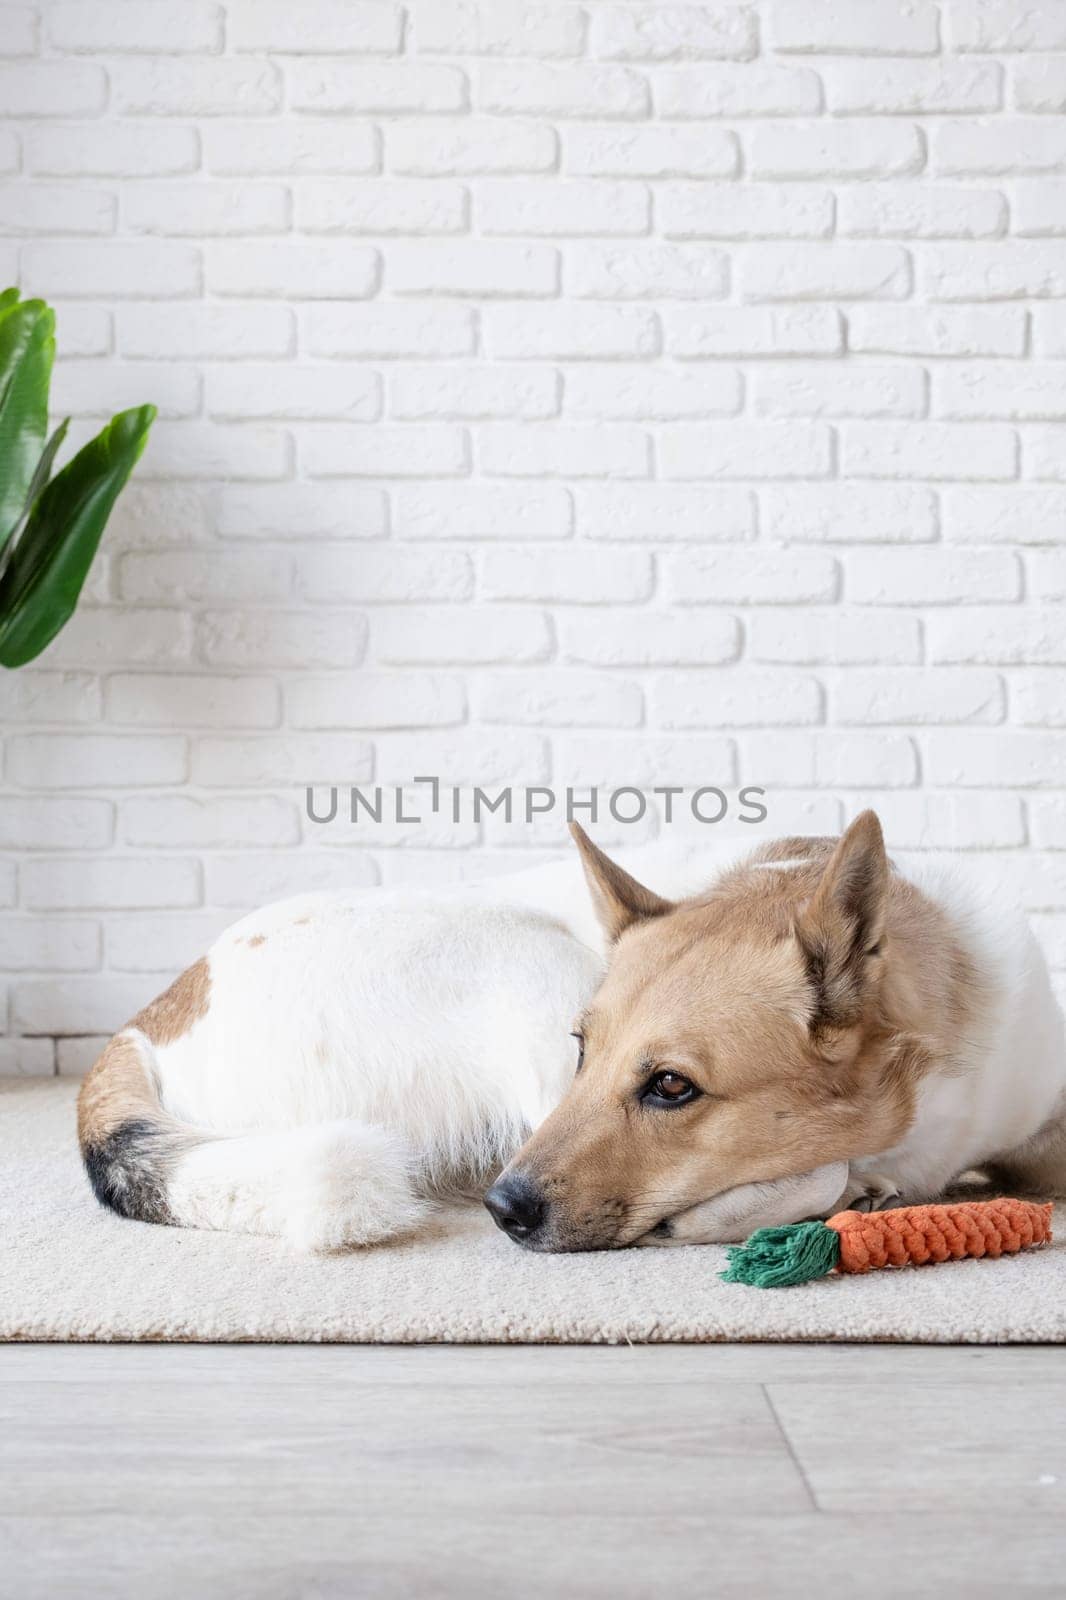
[(50, 527)]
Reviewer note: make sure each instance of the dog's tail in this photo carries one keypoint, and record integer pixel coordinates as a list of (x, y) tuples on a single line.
[(323, 1186)]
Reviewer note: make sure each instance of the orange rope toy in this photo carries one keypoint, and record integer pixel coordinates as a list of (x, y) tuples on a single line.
[(856, 1241)]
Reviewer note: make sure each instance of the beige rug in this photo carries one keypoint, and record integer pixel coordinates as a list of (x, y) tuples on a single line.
[(70, 1270)]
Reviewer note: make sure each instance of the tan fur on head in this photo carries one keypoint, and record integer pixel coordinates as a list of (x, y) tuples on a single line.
[(790, 996)]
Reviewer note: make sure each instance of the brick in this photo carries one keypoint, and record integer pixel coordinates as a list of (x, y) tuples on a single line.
[(291, 149), (74, 1057), (951, 822), (498, 28), (660, 638), (650, 152), (604, 760), (1018, 145), (552, 207), (149, 515), (198, 209), (55, 760), (918, 88), (182, 822), (999, 25), (633, 272), (52, 89), (166, 86), (173, 940), (204, 332), (374, 700), (8, 893), (918, 695), (745, 450), (32, 209), (978, 758), (852, 390), (29, 945), (1040, 84), (825, 272), (27, 1058), (564, 452), (473, 145), (752, 89), (459, 634), (937, 331), (754, 331), (292, 758), (249, 390), (47, 822), (925, 211), (1039, 207), (346, 573), (933, 577), (107, 150), (744, 696), (476, 756), (1047, 575), (860, 27), (105, 636), (133, 270), (293, 268), (84, 330), (397, 207), (1038, 699), (361, 25), (570, 333), (472, 393), (151, 25), (753, 211), (249, 880), (215, 450), (100, 1004), (1004, 516), (662, 394), (575, 576), (391, 88), (852, 149), (99, 389), (20, 31), (561, 699), (188, 576), (1043, 454), (838, 637), (303, 639), (749, 577), (933, 450), (990, 390), (657, 512), (481, 511), (671, 33), (473, 267), (1000, 636), (302, 510), (33, 695), (172, 700), (407, 452), (585, 90), (391, 331)]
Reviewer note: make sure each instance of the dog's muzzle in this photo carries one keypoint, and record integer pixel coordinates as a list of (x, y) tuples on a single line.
[(515, 1206)]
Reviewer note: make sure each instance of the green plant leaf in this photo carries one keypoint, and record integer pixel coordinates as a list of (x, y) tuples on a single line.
[(8, 298), (41, 584), (27, 347)]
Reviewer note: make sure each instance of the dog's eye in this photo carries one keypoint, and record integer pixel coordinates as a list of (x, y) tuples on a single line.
[(669, 1089), (580, 1037)]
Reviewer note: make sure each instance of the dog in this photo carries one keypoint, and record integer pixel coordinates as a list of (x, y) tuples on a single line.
[(812, 1030)]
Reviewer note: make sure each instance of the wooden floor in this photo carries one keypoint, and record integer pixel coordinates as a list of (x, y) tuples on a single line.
[(342, 1472)]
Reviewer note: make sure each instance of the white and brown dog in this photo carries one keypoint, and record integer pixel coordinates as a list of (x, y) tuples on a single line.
[(337, 1060)]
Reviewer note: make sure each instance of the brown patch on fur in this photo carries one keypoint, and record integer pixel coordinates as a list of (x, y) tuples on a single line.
[(170, 1015), (255, 941), (806, 1005), (301, 922), (116, 1090)]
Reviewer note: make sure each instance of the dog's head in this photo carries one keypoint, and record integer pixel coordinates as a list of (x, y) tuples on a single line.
[(738, 1036)]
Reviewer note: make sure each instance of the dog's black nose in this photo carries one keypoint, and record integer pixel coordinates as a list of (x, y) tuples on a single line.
[(516, 1207)]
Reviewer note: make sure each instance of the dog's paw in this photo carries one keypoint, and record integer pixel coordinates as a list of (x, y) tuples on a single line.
[(868, 1192)]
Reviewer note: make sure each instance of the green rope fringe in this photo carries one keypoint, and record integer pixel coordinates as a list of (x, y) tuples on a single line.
[(773, 1258)]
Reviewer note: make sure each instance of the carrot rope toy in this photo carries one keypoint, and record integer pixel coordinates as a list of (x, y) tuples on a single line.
[(856, 1241)]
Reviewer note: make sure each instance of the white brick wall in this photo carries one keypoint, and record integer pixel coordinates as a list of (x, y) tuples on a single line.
[(559, 392)]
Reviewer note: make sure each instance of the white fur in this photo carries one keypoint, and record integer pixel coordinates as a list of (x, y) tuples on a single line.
[(374, 1046)]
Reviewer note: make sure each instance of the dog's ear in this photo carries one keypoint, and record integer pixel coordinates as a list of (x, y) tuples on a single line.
[(841, 926), (619, 900)]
